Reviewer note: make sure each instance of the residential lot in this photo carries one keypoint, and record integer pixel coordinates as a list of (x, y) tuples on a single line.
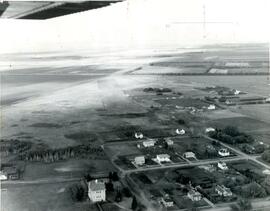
[(241, 179), (182, 150)]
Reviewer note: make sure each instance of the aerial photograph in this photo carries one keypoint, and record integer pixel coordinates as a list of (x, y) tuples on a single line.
[(134, 105)]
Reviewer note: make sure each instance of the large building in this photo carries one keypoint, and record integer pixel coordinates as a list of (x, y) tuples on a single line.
[(96, 191)]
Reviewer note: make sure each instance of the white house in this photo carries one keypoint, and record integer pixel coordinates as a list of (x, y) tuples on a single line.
[(167, 201), (236, 92), (3, 176), (194, 195), (180, 132), (211, 107), (224, 152), (209, 129), (169, 142), (139, 160), (96, 191), (222, 165), (223, 191), (149, 143), (163, 158), (189, 155), (138, 135)]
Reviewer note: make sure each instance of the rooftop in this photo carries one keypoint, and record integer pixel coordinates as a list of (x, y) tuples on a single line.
[(96, 185)]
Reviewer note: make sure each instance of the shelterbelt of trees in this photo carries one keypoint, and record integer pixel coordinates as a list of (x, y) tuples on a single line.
[(28, 151), (53, 155), (231, 135)]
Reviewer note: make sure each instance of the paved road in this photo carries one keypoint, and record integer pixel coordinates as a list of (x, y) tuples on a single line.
[(177, 165), (244, 155)]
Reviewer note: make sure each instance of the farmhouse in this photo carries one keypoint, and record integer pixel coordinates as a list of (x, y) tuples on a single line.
[(210, 129), (96, 191), (180, 132), (138, 135), (223, 191), (194, 195), (222, 165), (210, 168), (9, 173), (149, 143), (211, 107), (223, 152), (189, 155), (167, 201), (3, 176), (163, 158), (139, 160), (236, 92)]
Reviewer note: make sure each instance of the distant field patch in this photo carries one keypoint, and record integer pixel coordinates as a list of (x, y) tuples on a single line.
[(243, 123), (221, 114), (184, 102), (81, 136), (46, 125)]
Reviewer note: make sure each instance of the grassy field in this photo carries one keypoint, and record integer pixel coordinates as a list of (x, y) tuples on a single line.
[(75, 168), (243, 123), (39, 197)]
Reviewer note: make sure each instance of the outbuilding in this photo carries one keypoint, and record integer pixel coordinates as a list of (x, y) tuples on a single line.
[(180, 131)]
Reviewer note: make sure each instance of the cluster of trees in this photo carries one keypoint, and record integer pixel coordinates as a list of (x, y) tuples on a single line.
[(209, 99), (78, 192), (53, 155), (266, 156), (231, 135), (121, 192), (181, 122), (253, 190), (158, 90), (242, 204), (14, 146)]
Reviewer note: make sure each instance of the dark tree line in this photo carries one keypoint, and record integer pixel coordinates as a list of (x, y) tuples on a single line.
[(14, 146), (78, 192), (231, 135), (53, 155)]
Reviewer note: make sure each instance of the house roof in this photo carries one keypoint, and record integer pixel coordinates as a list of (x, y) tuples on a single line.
[(189, 154), (194, 193), (149, 141), (223, 189), (10, 170), (96, 185), (140, 157), (163, 155)]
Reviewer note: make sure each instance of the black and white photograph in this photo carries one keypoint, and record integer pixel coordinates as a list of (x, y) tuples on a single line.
[(134, 105)]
